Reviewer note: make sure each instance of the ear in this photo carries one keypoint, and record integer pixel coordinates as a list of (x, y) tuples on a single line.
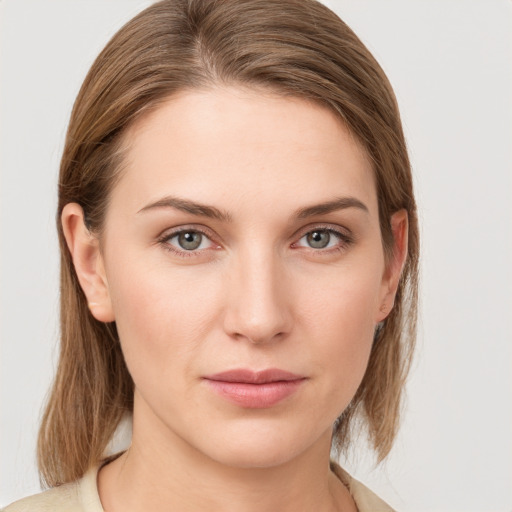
[(88, 261), (395, 264)]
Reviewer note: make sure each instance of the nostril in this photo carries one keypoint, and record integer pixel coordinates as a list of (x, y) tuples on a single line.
[(267, 333)]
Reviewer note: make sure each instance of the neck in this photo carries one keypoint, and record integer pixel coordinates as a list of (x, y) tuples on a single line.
[(162, 472)]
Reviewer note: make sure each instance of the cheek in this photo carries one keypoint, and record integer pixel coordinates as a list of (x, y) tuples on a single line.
[(162, 314), (345, 299), (340, 317)]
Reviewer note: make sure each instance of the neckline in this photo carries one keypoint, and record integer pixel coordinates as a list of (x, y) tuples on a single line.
[(90, 498)]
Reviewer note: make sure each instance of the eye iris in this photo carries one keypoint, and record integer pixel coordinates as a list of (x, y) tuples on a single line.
[(190, 240), (318, 239)]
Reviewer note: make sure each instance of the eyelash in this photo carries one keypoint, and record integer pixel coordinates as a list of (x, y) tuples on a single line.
[(164, 241), (345, 240)]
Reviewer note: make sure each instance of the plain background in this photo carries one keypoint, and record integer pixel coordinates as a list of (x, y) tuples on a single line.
[(450, 64)]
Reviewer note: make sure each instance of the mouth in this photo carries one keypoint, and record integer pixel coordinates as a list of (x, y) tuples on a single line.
[(255, 389)]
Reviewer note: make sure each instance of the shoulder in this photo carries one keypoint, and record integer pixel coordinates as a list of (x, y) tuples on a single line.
[(365, 499), (64, 497), (80, 496)]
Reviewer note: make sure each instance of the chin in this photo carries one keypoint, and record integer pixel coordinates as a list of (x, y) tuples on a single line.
[(264, 447)]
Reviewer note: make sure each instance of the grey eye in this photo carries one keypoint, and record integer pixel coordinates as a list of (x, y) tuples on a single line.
[(318, 239), (190, 240)]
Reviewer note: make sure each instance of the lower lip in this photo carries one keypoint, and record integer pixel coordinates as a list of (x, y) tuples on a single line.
[(255, 396)]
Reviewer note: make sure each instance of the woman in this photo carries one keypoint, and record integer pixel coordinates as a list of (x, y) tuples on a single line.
[(239, 252)]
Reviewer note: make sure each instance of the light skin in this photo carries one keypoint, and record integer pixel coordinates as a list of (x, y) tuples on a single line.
[(243, 233)]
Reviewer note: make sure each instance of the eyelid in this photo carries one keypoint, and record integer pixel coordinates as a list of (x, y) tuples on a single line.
[(323, 226), (168, 234), (346, 237)]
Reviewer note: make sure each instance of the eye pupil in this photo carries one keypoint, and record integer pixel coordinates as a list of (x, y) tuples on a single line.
[(318, 239), (190, 240)]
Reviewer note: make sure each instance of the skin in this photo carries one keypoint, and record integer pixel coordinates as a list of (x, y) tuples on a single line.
[(255, 294)]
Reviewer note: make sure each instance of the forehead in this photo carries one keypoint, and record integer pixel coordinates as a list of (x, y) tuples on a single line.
[(225, 144)]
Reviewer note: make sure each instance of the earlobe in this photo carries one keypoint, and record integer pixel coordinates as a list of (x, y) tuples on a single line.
[(395, 263), (88, 261)]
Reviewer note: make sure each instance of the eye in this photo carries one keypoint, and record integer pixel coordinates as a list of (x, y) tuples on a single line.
[(318, 239), (187, 240), (323, 238)]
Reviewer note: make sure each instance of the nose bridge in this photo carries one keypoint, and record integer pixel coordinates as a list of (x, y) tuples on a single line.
[(258, 306)]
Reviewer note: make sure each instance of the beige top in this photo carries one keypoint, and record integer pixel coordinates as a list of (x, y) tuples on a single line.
[(82, 496)]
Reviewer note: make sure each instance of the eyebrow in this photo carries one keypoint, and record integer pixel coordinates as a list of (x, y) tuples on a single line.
[(204, 210), (189, 207), (339, 203)]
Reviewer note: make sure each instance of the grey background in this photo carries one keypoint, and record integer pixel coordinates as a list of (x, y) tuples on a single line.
[(450, 64)]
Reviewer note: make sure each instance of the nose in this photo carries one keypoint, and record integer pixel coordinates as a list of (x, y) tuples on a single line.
[(258, 308)]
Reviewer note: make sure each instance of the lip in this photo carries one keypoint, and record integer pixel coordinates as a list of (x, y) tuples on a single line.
[(255, 389)]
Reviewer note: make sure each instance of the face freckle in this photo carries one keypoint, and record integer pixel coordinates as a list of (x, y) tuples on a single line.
[(242, 240)]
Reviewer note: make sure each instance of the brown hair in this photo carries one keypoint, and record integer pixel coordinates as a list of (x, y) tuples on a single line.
[(293, 47)]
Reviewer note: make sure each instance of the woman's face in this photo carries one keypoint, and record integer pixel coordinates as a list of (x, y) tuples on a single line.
[(243, 265)]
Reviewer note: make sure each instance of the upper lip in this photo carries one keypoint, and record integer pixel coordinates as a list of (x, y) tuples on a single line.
[(254, 377)]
